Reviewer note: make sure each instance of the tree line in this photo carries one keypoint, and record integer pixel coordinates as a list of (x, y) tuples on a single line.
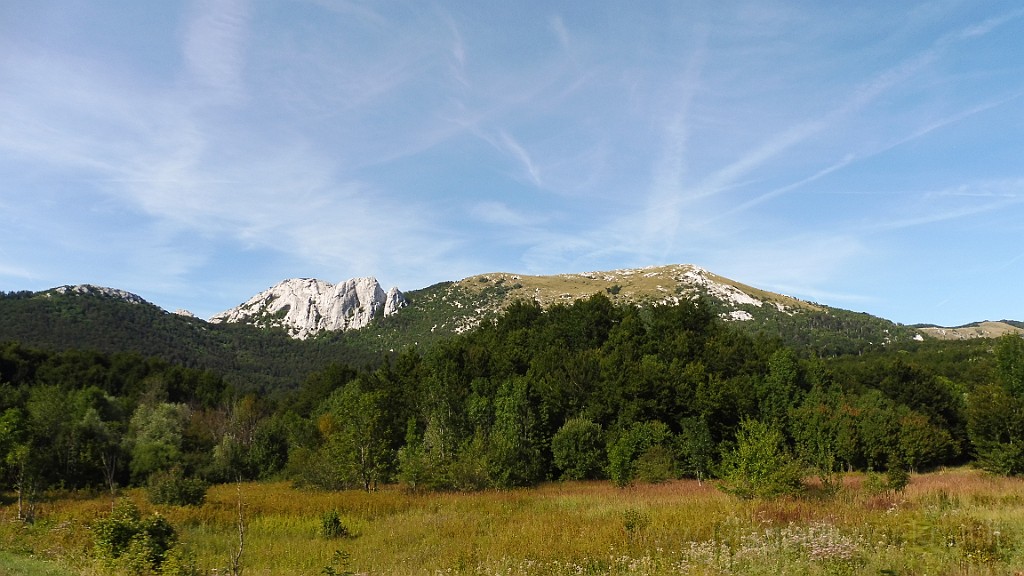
[(590, 390)]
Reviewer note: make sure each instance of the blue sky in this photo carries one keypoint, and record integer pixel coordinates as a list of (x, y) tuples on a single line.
[(864, 155)]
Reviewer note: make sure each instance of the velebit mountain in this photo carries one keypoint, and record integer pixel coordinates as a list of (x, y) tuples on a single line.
[(291, 329), (308, 307), (305, 307)]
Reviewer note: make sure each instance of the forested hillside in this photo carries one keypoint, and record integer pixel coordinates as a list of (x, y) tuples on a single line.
[(587, 390), (251, 358)]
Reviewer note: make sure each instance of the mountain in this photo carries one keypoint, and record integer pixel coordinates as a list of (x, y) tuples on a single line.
[(89, 289), (306, 307), (111, 321), (302, 325), (455, 307), (986, 329)]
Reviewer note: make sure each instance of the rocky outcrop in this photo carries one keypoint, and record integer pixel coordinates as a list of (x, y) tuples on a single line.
[(90, 289), (307, 306)]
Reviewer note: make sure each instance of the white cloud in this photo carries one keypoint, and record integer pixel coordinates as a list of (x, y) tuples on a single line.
[(510, 145), (498, 213), (214, 45)]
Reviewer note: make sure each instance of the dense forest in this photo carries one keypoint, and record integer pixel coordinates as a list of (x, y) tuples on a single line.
[(583, 391), (249, 358)]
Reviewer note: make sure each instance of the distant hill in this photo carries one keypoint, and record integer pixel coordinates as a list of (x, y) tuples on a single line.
[(256, 348), (110, 320), (455, 307), (984, 329)]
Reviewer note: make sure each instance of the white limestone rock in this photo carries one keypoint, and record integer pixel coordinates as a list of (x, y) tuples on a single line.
[(307, 306), (101, 291)]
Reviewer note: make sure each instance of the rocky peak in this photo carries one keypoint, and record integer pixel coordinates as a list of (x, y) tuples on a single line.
[(307, 306), (88, 289)]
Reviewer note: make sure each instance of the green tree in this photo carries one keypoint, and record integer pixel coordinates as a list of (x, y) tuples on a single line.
[(816, 429), (427, 459), (644, 443), (155, 437), (760, 465), (696, 448), (921, 443), (515, 450), (1010, 364), (579, 449), (20, 463), (995, 421), (779, 388), (355, 437), (995, 412), (102, 440)]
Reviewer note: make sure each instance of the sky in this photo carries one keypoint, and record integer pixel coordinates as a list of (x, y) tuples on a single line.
[(865, 155)]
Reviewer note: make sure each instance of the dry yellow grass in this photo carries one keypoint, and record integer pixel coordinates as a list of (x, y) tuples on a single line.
[(655, 283), (981, 330), (952, 522)]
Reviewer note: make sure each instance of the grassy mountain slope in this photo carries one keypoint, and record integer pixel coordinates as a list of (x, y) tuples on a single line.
[(455, 307), (986, 329)]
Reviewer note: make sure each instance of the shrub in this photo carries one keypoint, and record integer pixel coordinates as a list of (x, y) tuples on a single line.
[(180, 562), (124, 539), (635, 521), (897, 477), (578, 449), (759, 466), (894, 481), (655, 465), (633, 445), (332, 527), (172, 487)]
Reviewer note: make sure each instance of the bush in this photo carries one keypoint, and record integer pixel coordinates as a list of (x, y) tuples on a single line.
[(897, 477), (759, 466), (578, 449), (655, 465), (172, 487), (635, 521), (180, 562), (332, 527), (126, 540), (643, 444)]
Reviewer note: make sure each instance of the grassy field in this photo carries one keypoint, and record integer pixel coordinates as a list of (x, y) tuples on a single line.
[(15, 565), (954, 522)]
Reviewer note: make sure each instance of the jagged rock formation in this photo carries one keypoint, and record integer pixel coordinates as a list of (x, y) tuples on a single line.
[(307, 306)]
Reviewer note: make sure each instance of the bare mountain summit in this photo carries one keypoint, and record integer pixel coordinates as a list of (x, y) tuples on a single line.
[(307, 306)]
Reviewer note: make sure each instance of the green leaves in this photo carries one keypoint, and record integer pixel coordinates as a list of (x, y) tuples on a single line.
[(579, 449), (760, 465), (126, 540)]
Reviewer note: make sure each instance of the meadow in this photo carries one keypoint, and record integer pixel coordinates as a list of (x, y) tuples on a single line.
[(951, 522)]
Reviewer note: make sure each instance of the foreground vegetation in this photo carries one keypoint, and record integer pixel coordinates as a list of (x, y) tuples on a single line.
[(581, 392), (949, 522), (682, 444)]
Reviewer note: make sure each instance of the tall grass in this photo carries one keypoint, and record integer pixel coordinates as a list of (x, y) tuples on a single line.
[(14, 565), (955, 522)]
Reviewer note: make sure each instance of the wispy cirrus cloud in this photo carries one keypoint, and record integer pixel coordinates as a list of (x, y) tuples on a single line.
[(213, 46), (955, 203), (774, 142), (513, 147)]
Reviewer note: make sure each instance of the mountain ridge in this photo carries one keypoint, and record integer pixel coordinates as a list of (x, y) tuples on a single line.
[(306, 308)]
